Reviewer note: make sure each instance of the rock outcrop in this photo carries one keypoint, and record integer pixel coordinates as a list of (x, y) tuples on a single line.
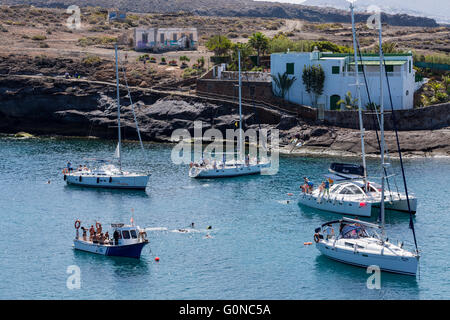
[(49, 106)]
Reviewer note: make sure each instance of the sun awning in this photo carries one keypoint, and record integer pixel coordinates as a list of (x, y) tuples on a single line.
[(377, 62)]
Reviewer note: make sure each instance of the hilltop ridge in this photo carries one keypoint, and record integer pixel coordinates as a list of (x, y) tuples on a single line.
[(234, 8)]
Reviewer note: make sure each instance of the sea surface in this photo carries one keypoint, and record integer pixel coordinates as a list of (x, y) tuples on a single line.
[(256, 249)]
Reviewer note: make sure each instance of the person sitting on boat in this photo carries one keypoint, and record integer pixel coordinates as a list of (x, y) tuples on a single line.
[(85, 168), (69, 166), (80, 168), (94, 238), (101, 238)]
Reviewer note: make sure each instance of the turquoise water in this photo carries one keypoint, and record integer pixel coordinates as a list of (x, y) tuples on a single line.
[(256, 250)]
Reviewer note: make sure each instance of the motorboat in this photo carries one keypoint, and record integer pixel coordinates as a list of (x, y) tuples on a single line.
[(127, 241)]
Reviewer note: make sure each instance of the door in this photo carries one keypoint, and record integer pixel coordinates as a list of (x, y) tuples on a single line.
[(333, 102)]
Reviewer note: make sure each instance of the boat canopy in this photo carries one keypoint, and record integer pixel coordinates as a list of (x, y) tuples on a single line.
[(347, 168)]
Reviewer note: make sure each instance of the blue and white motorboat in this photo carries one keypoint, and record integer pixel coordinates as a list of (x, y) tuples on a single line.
[(127, 241)]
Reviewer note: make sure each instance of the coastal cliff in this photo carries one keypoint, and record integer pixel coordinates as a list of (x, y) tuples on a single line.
[(49, 106)]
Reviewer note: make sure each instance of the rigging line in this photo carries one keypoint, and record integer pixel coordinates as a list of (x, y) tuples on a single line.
[(375, 121), (134, 114), (394, 121)]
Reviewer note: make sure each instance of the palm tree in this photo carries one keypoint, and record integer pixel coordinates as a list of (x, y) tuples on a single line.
[(260, 43), (348, 101), (283, 83)]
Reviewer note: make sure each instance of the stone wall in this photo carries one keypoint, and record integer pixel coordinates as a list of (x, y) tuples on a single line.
[(428, 118), (262, 90)]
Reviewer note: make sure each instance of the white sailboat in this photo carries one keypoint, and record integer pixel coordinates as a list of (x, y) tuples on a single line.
[(352, 192), (354, 244), (108, 175), (235, 167)]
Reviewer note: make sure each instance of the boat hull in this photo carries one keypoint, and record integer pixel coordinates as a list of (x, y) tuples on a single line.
[(127, 251), (399, 204), (343, 207), (393, 264), (112, 182), (226, 172)]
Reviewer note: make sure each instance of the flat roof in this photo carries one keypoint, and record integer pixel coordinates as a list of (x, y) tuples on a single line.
[(377, 62)]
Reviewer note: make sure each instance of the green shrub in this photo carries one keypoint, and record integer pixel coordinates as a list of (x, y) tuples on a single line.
[(91, 61), (39, 38)]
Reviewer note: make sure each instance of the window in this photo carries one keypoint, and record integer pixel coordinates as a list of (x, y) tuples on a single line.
[(144, 37), (360, 68), (161, 37), (289, 68), (133, 234), (389, 68), (174, 37), (126, 234), (335, 69)]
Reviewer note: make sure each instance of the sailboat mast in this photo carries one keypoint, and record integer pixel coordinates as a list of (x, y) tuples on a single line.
[(118, 108), (358, 90), (382, 147), (240, 109)]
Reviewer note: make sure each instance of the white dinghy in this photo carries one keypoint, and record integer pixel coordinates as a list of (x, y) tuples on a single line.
[(109, 175)]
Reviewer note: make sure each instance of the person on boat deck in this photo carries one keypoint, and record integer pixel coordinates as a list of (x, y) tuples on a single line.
[(84, 233), (69, 166), (80, 168), (85, 168), (106, 237), (247, 160), (214, 164), (327, 187), (322, 188), (224, 160), (304, 186), (310, 186), (116, 237), (91, 232), (95, 238), (99, 229)]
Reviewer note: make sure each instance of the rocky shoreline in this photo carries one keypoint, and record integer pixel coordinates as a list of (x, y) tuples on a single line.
[(49, 106)]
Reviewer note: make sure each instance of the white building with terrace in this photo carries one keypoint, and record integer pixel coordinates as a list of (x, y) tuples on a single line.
[(340, 78)]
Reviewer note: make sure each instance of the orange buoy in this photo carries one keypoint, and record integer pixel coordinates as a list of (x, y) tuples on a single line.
[(290, 194), (157, 259), (307, 243)]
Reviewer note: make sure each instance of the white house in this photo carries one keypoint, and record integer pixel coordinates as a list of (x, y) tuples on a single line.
[(340, 77), (165, 38)]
